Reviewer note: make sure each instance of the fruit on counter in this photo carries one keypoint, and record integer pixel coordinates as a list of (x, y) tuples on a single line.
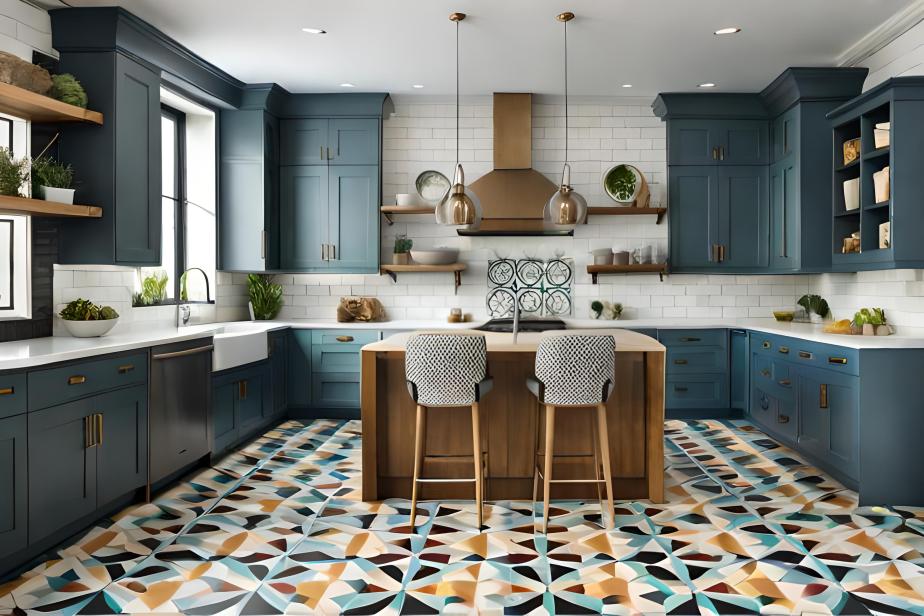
[(838, 327), (85, 310)]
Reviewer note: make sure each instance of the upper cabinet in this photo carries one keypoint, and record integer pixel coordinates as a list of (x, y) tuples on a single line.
[(747, 174), (336, 141)]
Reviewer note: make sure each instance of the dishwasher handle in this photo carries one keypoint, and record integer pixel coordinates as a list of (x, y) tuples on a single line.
[(184, 352)]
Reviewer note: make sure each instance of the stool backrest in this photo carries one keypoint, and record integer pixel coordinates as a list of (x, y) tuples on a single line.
[(444, 369), (576, 369)]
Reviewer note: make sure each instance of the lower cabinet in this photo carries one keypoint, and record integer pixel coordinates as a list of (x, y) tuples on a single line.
[(279, 361), (696, 371), (14, 503), (122, 450), (829, 417), (241, 404)]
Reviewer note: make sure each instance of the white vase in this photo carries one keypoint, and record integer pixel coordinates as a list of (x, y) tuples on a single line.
[(58, 195), (816, 318)]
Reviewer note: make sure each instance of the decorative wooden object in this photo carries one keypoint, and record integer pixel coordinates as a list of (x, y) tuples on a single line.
[(37, 108), (51, 209)]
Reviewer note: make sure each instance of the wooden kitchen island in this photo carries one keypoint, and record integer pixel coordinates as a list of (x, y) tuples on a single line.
[(509, 416)]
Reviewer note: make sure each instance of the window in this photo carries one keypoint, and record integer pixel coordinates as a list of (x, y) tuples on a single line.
[(188, 172), (15, 233)]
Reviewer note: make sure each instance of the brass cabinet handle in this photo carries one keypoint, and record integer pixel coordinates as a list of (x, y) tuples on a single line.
[(90, 431), (785, 382), (784, 350), (680, 362), (333, 249), (262, 243), (86, 433), (344, 338), (783, 419), (823, 396), (722, 152), (765, 373), (690, 339), (805, 355), (7, 391), (681, 389), (715, 253), (183, 353), (77, 379), (721, 253), (321, 152), (126, 368), (99, 428), (842, 361), (323, 252), (766, 344), (715, 153), (242, 389)]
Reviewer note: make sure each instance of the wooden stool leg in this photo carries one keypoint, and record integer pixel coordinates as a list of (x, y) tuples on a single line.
[(536, 457), (607, 469), (476, 457), (595, 443), (547, 465), (420, 438)]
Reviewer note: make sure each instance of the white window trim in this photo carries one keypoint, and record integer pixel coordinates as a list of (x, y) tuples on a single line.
[(21, 273)]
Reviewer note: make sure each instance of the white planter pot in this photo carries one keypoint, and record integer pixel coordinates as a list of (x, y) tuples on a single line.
[(816, 318), (89, 329), (58, 195)]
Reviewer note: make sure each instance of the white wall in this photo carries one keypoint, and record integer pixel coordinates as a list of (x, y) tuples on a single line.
[(902, 57), (24, 28)]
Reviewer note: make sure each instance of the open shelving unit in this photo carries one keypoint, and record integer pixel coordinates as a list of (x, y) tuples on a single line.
[(50, 209), (455, 269), (388, 211), (34, 107), (639, 268), (615, 210)]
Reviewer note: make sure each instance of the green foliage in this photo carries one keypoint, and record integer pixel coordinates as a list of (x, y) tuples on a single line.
[(815, 304), (869, 316), (49, 172), (597, 307), (265, 296), (85, 310), (13, 173), (402, 244), (67, 89), (620, 182), (153, 290)]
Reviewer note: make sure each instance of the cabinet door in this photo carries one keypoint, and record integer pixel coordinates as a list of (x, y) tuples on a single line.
[(743, 216), (299, 369), (250, 401), (829, 419), (138, 164), (305, 217), (784, 214), (784, 135), (354, 220), (694, 197), (14, 507), (62, 467), (122, 453), (279, 351), (743, 142), (353, 141), (692, 142), (225, 427), (304, 142), (335, 390)]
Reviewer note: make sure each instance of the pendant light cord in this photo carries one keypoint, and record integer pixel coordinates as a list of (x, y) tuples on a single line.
[(566, 92), (457, 94)]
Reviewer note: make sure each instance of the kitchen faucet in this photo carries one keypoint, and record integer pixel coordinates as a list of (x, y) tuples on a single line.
[(183, 311), (515, 295)]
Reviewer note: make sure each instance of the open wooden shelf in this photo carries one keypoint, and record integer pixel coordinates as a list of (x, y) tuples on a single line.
[(615, 210), (51, 209), (390, 210), (34, 107), (455, 268), (638, 268)]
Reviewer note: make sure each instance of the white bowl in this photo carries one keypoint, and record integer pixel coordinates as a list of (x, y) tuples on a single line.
[(436, 256), (407, 200), (89, 329)]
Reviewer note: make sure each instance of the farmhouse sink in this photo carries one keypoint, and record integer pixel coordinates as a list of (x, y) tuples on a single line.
[(237, 344)]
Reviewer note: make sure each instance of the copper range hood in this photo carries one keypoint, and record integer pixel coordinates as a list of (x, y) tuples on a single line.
[(513, 194)]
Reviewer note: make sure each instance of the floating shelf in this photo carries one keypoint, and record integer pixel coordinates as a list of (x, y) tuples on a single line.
[(455, 268), (34, 107), (847, 213), (640, 268), (854, 163), (390, 210), (877, 153), (878, 206), (614, 210), (51, 209)]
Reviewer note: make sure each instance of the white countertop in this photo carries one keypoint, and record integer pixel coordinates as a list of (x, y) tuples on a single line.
[(41, 351), (528, 342)]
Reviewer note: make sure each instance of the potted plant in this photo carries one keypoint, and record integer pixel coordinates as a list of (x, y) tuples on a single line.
[(67, 89), (52, 180), (872, 321), (13, 174), (265, 297), (153, 290), (84, 319), (815, 307), (402, 249)]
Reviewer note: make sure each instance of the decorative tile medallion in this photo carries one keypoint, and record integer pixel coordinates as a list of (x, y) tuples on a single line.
[(544, 287)]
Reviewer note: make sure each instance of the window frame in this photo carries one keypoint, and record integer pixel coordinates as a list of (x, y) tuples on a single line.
[(178, 199)]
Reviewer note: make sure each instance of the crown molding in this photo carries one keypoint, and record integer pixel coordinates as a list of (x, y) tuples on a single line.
[(883, 34)]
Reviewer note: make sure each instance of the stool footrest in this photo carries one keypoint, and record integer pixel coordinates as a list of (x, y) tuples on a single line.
[(450, 456), (422, 480)]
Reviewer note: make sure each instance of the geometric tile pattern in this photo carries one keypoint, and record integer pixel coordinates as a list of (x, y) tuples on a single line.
[(278, 528)]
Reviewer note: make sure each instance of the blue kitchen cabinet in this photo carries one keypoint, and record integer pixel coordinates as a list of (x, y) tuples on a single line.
[(225, 426), (696, 372), (738, 369), (829, 417), (241, 404), (718, 141), (333, 141), (279, 371), (14, 505), (305, 209), (304, 141), (122, 448), (693, 193), (12, 394), (298, 369)]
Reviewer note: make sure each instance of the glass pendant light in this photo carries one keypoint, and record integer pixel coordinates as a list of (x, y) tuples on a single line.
[(567, 207), (459, 207)]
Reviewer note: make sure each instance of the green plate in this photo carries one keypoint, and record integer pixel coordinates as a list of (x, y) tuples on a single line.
[(622, 183)]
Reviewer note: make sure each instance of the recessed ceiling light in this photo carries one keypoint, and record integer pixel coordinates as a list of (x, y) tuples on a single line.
[(707, 85), (417, 86), (627, 85), (732, 30), (314, 31), (347, 85)]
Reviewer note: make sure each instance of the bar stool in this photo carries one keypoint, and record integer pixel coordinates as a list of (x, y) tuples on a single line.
[(447, 370), (574, 371)]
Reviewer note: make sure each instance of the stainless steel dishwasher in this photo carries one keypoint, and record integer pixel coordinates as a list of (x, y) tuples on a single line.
[(180, 413)]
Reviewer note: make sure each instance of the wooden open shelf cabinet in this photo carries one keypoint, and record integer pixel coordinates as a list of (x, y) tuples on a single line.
[(615, 210), (390, 210), (50, 209), (639, 268), (34, 107), (455, 268)]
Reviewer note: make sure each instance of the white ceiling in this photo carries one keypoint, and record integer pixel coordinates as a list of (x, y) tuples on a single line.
[(513, 45)]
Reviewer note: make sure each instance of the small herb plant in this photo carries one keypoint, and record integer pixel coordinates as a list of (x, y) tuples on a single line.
[(49, 172), (13, 174), (814, 304), (265, 296), (85, 310), (596, 307), (403, 244), (67, 89), (869, 316), (153, 290)]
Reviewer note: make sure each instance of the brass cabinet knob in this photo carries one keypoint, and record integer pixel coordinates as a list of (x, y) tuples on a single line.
[(344, 338), (7, 391), (77, 379)]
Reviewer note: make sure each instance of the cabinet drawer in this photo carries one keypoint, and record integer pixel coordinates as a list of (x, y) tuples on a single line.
[(344, 337), (338, 350), (56, 385), (335, 390), (804, 352), (693, 337), (697, 392), (696, 359), (12, 395)]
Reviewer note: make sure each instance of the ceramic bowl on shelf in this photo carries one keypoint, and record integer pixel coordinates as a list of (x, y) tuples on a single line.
[(407, 200), (89, 329), (435, 256)]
